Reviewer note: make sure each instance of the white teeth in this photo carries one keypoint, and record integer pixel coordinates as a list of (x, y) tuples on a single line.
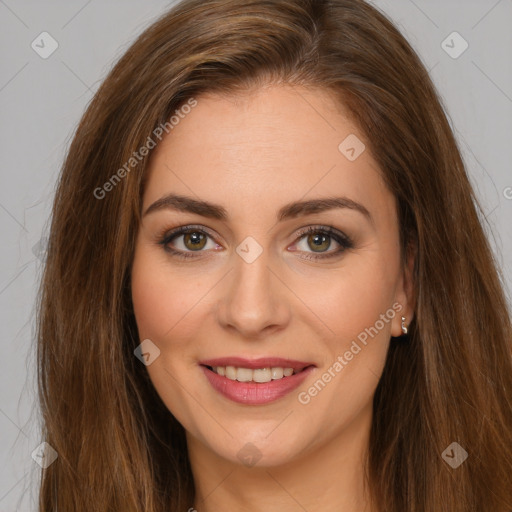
[(230, 372), (262, 375), (243, 375), (277, 373), (257, 375)]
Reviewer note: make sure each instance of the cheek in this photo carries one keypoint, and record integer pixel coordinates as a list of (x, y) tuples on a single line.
[(151, 302), (355, 359), (161, 299), (356, 306), (353, 298), (161, 307)]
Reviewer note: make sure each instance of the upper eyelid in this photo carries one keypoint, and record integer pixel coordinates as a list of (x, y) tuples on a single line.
[(181, 230)]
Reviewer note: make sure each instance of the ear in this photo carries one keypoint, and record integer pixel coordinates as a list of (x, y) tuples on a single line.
[(405, 293)]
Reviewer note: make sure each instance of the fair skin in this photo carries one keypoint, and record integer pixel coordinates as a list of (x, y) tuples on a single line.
[(253, 154)]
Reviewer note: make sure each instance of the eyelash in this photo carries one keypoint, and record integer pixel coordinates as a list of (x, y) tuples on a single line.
[(343, 240)]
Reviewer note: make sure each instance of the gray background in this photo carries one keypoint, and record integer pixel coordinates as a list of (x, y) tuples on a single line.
[(41, 101)]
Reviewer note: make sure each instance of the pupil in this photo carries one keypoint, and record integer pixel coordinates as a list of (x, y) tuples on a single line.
[(194, 238)]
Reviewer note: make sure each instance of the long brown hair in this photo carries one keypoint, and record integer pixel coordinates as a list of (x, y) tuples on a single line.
[(119, 448)]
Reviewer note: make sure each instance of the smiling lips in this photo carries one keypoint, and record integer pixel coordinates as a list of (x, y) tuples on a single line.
[(256, 381)]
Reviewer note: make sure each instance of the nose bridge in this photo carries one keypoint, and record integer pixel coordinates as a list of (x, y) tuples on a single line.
[(251, 302)]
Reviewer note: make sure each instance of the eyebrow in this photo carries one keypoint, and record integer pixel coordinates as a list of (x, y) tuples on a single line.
[(288, 211)]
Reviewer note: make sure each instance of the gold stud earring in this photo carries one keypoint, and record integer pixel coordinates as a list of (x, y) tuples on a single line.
[(404, 327)]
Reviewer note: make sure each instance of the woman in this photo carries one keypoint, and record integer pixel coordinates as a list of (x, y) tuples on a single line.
[(267, 286)]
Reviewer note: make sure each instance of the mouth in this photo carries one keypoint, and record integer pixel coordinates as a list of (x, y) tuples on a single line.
[(257, 381)]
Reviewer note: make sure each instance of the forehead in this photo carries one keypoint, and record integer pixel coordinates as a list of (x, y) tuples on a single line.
[(274, 144)]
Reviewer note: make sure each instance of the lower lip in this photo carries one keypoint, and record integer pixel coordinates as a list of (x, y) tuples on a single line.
[(254, 393)]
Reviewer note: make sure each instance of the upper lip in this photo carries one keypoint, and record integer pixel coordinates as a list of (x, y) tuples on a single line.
[(262, 362)]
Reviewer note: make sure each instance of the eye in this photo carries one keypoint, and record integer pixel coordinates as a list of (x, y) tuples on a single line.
[(319, 240), (186, 240)]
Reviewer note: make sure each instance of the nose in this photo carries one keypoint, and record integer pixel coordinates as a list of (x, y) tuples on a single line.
[(253, 301)]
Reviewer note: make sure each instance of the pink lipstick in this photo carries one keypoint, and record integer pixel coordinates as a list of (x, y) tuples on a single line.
[(255, 381)]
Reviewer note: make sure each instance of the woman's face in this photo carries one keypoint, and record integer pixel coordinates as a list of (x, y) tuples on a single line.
[(247, 281)]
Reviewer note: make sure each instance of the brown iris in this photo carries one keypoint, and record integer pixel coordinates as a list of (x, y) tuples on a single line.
[(319, 242), (196, 239)]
